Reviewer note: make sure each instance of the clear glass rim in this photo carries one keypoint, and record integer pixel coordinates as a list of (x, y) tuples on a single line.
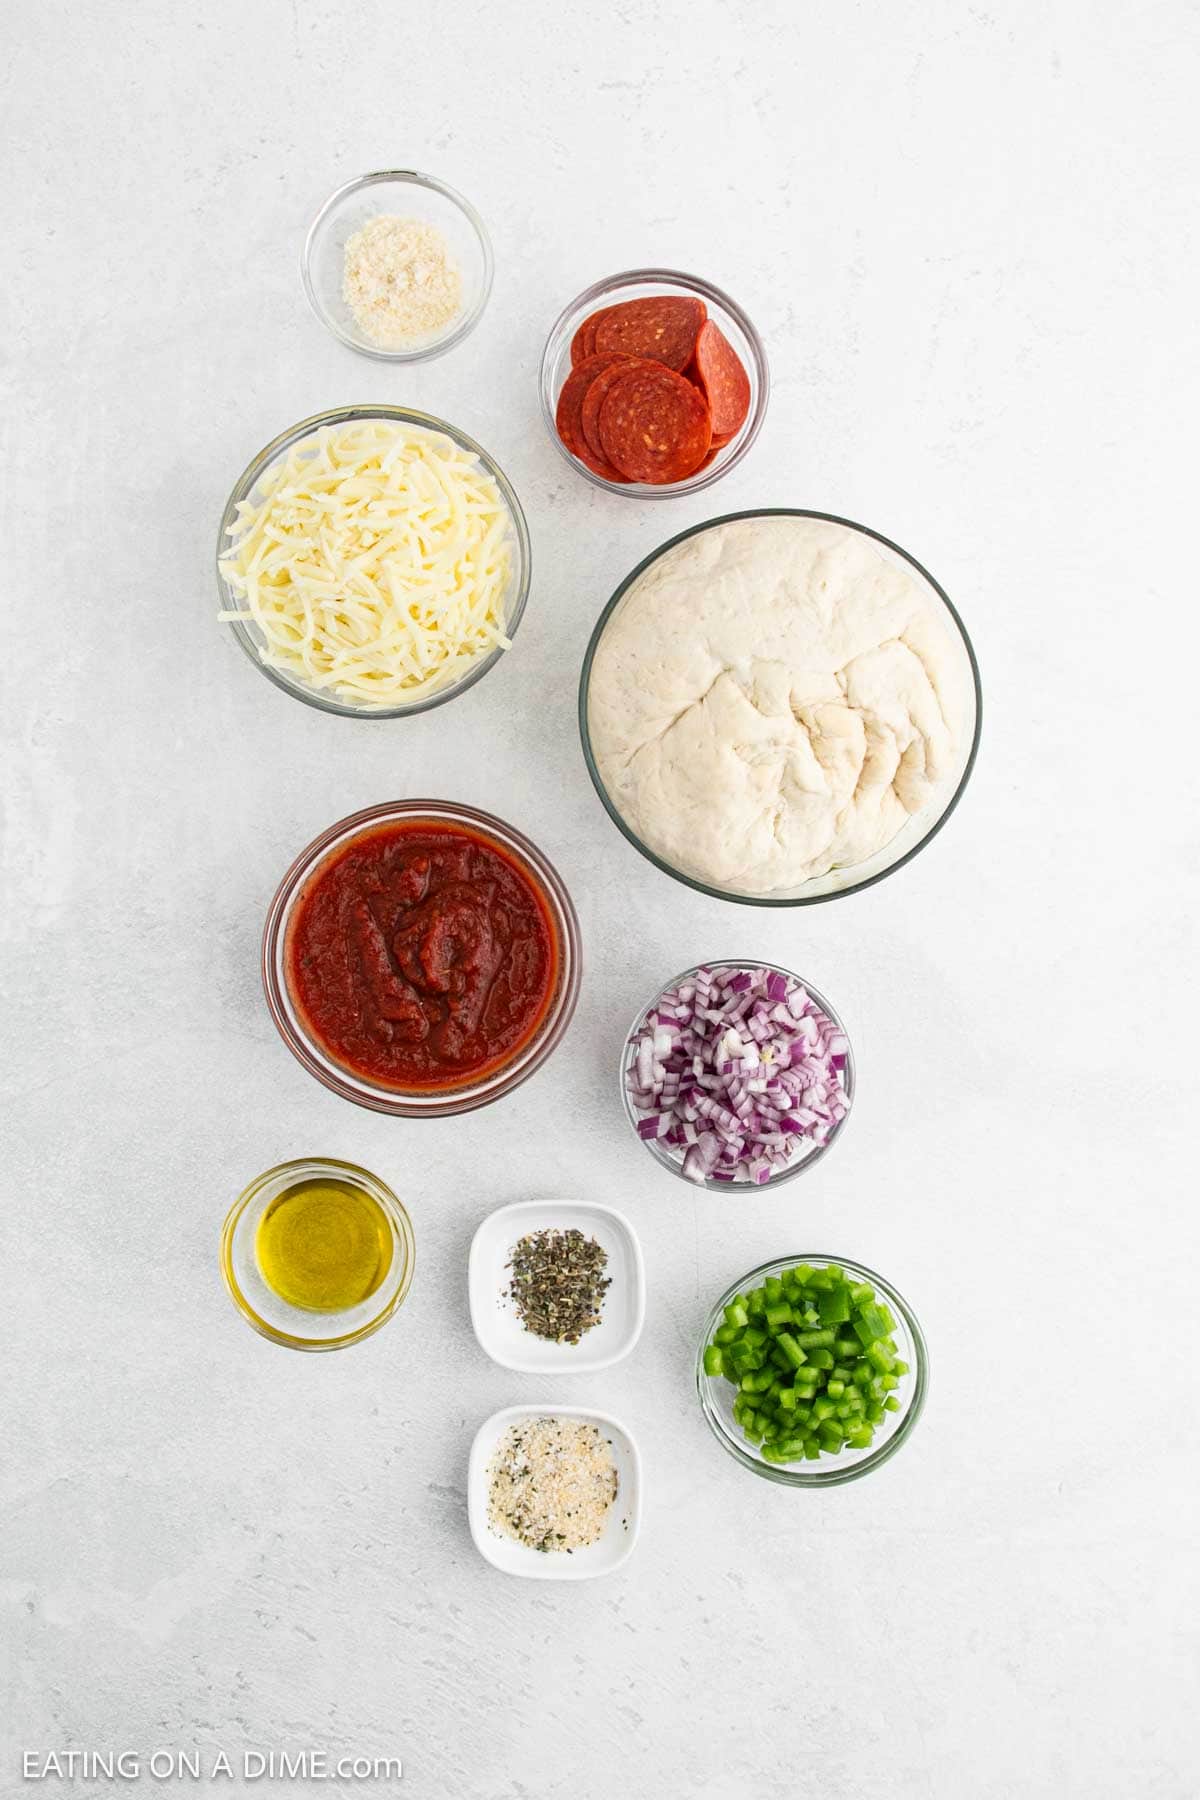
[(801, 1167), (398, 1218), (707, 290), (342, 415), (418, 1104), (700, 887), (468, 321), (812, 1475)]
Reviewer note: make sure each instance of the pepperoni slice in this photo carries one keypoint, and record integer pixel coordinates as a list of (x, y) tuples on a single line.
[(718, 442), (724, 380), (654, 425), (570, 405), (593, 400), (662, 327), (584, 342)]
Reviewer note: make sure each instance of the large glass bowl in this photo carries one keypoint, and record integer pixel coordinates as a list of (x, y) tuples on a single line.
[(717, 1394), (248, 634), (920, 829), (632, 285), (671, 1159), (472, 1091), (407, 194)]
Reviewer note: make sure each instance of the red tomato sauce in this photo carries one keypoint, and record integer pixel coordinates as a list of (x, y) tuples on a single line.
[(421, 956)]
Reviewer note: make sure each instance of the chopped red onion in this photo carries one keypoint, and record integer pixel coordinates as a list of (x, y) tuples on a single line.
[(740, 1071)]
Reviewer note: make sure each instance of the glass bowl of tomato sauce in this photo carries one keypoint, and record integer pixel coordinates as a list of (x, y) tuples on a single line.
[(421, 958)]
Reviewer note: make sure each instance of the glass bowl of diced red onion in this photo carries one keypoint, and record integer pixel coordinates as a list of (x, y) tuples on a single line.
[(738, 1074)]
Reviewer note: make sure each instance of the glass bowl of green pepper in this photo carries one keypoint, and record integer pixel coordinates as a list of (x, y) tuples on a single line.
[(812, 1370)]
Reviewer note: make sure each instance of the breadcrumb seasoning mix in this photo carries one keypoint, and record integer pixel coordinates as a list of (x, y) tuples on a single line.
[(551, 1484), (401, 282)]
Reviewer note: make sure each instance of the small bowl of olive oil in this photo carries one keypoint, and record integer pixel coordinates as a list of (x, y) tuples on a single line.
[(317, 1254)]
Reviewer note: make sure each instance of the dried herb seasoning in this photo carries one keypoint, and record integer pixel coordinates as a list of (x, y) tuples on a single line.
[(558, 1283)]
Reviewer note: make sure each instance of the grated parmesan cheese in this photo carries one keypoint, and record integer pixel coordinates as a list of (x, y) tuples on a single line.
[(400, 281), (551, 1484), (375, 562)]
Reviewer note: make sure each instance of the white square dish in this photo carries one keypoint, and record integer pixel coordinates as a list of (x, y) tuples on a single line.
[(621, 1525), (494, 1317)]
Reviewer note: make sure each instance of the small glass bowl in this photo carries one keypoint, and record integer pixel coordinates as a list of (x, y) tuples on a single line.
[(717, 1394), (250, 638), (921, 827), (410, 195), (671, 1159), (417, 1103), (294, 1326), (725, 312)]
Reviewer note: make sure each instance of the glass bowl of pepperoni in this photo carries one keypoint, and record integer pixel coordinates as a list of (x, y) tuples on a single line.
[(421, 958), (653, 383)]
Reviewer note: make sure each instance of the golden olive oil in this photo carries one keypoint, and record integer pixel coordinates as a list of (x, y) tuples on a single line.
[(324, 1245)]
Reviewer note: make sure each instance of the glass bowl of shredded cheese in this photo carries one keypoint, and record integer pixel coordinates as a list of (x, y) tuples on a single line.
[(397, 265), (373, 561)]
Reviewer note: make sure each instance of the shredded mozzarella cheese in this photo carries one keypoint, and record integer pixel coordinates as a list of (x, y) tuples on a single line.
[(375, 560)]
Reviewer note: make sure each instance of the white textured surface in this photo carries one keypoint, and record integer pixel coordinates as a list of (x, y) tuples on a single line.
[(968, 235)]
